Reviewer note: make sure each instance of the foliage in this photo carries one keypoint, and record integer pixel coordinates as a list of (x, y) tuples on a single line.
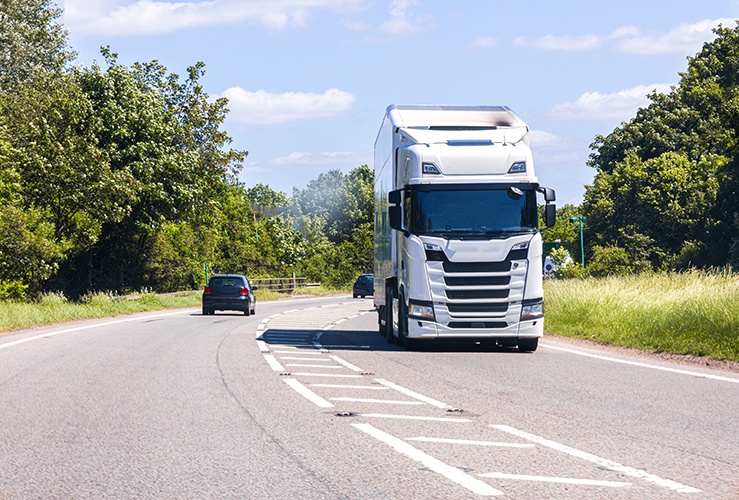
[(31, 41), (116, 177), (338, 210), (13, 291), (560, 256), (669, 178), (695, 312)]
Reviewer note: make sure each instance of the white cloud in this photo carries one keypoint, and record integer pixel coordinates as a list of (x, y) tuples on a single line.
[(551, 42), (596, 106), (403, 20), (147, 17), (684, 39), (320, 159), (484, 42), (264, 108)]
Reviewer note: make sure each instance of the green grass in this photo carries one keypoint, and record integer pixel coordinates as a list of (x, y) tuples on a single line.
[(688, 313), (54, 308)]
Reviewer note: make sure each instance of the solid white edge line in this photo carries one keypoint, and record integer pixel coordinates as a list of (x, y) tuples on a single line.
[(452, 473), (603, 462), (412, 394), (307, 393), (330, 375), (642, 365), (89, 327), (470, 442), (273, 363), (346, 363), (561, 480)]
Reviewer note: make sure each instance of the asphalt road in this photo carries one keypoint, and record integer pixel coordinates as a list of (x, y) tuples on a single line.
[(306, 400)]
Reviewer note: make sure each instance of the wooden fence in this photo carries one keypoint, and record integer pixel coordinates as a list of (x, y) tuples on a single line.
[(286, 285)]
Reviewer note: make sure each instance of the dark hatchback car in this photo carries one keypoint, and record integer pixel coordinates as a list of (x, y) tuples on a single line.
[(229, 292), (364, 285)]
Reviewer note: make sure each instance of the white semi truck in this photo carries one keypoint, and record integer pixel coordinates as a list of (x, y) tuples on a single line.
[(458, 251)]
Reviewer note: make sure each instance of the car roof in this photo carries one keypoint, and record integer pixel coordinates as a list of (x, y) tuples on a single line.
[(228, 276)]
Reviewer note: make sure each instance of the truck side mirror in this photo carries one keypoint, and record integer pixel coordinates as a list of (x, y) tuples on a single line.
[(550, 215), (394, 211), (548, 194), (396, 217), (395, 197)]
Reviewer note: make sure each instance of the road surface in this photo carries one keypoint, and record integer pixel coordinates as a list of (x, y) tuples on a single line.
[(306, 400)]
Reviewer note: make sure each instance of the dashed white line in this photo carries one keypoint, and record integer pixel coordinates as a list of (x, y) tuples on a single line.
[(452, 473), (273, 363), (308, 394), (562, 480), (334, 375), (412, 394), (305, 365), (470, 442), (295, 358), (605, 463), (417, 417), (342, 386), (346, 364), (379, 401)]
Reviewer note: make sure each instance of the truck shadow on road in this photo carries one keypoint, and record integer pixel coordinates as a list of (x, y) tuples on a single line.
[(364, 340)]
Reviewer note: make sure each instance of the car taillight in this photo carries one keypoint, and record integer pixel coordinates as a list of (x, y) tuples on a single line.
[(206, 291), (244, 291)]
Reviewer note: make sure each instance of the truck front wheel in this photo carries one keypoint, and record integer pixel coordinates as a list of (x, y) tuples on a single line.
[(527, 345), (389, 296)]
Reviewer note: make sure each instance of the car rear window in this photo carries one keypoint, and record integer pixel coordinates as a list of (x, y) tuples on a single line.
[(364, 279), (225, 282)]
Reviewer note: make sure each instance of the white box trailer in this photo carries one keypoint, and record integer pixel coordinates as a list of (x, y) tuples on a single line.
[(458, 251)]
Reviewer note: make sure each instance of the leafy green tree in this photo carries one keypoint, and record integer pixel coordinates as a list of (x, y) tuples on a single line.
[(160, 145), (265, 196), (653, 207), (671, 174), (31, 41)]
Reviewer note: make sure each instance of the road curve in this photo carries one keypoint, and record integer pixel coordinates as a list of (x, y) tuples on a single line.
[(306, 400)]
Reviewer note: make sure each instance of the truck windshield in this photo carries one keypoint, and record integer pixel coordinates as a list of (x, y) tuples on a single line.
[(473, 212)]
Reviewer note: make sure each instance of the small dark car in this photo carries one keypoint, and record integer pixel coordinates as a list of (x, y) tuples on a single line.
[(364, 285), (229, 292)]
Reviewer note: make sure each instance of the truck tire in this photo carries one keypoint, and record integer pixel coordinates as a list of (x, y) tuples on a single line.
[(527, 345), (389, 295), (408, 343)]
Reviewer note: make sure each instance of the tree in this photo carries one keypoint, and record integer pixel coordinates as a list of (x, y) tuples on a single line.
[(158, 149), (31, 41), (671, 174)]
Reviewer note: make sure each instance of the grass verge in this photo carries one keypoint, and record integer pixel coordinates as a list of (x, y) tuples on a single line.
[(55, 308), (693, 313)]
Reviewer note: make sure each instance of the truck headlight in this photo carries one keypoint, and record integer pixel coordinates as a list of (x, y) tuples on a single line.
[(532, 309), (421, 310)]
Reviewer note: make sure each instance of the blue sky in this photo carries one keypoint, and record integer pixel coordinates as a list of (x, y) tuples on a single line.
[(309, 80)]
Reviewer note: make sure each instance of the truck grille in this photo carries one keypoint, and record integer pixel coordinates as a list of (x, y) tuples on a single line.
[(477, 267), (477, 324), (477, 281), (477, 294), (477, 308)]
